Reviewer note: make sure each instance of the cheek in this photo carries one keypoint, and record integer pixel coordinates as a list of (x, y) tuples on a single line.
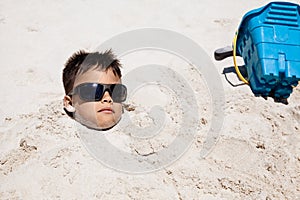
[(118, 110), (86, 110)]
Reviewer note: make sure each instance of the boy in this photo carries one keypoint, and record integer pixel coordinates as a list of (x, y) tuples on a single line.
[(93, 89)]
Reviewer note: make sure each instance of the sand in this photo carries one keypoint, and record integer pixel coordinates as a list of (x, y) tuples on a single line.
[(256, 154)]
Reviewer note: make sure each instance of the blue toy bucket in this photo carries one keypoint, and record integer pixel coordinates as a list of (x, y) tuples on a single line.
[(268, 39)]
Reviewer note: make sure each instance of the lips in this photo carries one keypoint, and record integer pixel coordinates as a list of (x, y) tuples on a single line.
[(107, 110)]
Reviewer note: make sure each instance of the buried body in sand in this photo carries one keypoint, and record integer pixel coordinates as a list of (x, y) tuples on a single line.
[(254, 159), (257, 157)]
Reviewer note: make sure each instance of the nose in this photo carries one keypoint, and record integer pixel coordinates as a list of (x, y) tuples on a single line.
[(106, 98)]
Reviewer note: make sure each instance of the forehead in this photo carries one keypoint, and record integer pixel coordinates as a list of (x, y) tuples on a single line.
[(95, 76)]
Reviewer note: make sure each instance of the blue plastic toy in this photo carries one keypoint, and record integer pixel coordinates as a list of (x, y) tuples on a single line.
[(268, 39)]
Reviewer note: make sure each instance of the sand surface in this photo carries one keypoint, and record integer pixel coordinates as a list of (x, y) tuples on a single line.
[(257, 153)]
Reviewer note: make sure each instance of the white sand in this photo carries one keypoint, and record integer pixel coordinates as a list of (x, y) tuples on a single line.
[(42, 157)]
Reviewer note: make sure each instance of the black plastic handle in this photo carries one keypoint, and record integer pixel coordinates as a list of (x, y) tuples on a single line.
[(222, 53)]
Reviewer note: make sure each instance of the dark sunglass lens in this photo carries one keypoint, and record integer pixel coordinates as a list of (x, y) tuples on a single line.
[(99, 92), (119, 93), (91, 92)]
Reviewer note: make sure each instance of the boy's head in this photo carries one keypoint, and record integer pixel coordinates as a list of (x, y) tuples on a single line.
[(93, 89)]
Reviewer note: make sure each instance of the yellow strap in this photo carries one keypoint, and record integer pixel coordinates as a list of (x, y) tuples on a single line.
[(234, 60)]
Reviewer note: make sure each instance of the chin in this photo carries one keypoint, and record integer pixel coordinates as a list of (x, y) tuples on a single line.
[(107, 124)]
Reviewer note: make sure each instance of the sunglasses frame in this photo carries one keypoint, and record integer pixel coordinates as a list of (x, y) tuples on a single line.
[(107, 87)]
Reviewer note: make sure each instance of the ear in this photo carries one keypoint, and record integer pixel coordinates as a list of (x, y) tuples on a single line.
[(68, 104)]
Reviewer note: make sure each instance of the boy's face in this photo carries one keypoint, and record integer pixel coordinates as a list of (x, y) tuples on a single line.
[(101, 114)]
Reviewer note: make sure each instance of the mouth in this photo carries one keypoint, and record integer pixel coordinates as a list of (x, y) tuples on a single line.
[(107, 110)]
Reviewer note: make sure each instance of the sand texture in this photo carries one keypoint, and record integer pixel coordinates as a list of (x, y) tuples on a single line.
[(42, 155)]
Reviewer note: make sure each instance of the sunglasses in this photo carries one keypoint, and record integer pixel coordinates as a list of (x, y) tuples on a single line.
[(95, 91)]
